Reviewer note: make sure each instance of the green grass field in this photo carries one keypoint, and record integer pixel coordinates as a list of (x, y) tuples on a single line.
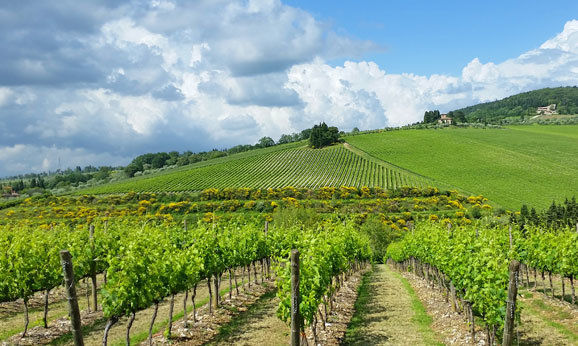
[(518, 165), (279, 166)]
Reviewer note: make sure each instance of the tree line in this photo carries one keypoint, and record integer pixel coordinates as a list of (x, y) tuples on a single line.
[(557, 215), (319, 136), (53, 180), (158, 160)]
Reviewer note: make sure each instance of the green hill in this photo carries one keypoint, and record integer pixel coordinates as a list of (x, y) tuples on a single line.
[(517, 165), (565, 98), (284, 165)]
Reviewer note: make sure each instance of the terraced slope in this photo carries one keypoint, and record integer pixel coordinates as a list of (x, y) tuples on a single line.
[(518, 165), (286, 166)]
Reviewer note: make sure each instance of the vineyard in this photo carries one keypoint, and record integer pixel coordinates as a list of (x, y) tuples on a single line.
[(292, 166), (531, 165), (471, 265), (186, 255), (214, 234), (138, 275)]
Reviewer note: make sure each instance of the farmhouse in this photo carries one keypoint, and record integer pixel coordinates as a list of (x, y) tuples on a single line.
[(445, 119), (11, 194), (548, 110)]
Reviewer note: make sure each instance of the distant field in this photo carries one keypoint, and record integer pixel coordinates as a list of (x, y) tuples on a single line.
[(280, 166), (518, 165)]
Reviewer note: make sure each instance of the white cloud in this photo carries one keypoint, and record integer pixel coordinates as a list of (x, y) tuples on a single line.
[(335, 93), (566, 41), (5, 95), (168, 75)]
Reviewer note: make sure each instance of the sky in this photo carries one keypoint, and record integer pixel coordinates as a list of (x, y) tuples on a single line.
[(100, 82)]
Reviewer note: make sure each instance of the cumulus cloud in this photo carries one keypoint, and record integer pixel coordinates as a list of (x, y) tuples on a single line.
[(101, 82), (342, 94)]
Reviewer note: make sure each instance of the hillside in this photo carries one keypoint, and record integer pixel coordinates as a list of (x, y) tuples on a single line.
[(531, 165), (566, 99), (284, 165), (518, 165)]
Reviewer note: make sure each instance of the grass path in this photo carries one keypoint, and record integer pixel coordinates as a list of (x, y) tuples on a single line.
[(547, 321), (258, 325), (388, 312)]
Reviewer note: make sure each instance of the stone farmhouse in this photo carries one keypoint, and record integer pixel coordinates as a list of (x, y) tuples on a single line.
[(548, 110), (445, 120)]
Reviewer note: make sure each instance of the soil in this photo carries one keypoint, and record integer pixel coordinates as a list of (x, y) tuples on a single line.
[(340, 316), (93, 322), (12, 313), (261, 326), (207, 325)]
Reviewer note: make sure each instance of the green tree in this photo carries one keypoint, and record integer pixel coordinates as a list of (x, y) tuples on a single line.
[(266, 142), (431, 116), (285, 139), (323, 135), (131, 169)]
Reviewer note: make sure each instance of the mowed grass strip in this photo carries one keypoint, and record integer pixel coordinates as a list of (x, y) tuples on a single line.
[(291, 166), (531, 165)]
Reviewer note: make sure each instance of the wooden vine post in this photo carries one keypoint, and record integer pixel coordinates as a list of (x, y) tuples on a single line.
[(295, 314), (93, 269), (511, 307), (267, 259), (73, 310)]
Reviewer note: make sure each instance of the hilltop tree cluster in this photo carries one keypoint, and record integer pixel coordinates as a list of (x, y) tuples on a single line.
[(431, 116), (323, 135)]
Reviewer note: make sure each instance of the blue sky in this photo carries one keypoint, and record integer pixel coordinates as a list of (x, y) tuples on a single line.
[(441, 37), (99, 82)]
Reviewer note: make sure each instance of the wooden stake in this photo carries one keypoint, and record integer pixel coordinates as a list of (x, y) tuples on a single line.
[(572, 288), (171, 308), (26, 319), (236, 283), (73, 310), (185, 308), (93, 270), (230, 285), (210, 295), (45, 317), (511, 304), (551, 286), (295, 301)]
